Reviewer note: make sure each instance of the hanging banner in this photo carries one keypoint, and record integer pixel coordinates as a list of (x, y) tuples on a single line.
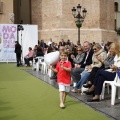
[(8, 36)]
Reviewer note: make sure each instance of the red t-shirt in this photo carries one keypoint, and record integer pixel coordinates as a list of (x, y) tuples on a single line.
[(63, 76)]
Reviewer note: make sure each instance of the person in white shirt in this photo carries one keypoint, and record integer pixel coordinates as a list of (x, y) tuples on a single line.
[(103, 75), (50, 42)]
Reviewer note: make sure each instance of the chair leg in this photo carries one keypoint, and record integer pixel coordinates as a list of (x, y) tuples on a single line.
[(33, 65), (37, 66), (46, 69), (113, 95), (108, 90), (118, 92), (103, 92), (74, 84), (42, 68)]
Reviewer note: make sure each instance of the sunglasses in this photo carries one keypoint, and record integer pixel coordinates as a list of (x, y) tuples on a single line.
[(94, 49)]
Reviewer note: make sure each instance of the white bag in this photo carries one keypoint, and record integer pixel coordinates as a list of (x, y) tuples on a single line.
[(52, 58)]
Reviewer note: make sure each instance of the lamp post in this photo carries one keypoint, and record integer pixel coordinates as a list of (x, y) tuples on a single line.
[(20, 28), (80, 18)]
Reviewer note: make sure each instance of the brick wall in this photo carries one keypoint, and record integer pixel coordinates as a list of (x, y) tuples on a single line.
[(55, 20), (7, 8)]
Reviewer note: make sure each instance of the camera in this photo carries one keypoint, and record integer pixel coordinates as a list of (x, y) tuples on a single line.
[(20, 27)]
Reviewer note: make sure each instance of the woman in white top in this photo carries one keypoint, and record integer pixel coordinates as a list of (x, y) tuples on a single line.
[(103, 75)]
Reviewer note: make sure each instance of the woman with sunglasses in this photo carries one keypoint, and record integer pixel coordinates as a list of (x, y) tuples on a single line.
[(106, 65), (79, 57), (98, 52)]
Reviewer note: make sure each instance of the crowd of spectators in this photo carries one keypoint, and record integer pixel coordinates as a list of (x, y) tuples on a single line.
[(89, 61)]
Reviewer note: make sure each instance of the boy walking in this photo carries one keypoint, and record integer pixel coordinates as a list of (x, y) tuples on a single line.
[(63, 69)]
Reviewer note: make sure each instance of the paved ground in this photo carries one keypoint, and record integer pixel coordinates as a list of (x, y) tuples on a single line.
[(104, 106)]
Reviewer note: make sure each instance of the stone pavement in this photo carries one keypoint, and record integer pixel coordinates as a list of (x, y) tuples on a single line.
[(104, 106)]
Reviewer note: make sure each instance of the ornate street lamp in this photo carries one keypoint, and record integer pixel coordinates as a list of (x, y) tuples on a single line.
[(80, 18)]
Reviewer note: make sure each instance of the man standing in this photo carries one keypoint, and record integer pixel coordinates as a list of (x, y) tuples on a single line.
[(62, 42), (43, 44), (18, 53)]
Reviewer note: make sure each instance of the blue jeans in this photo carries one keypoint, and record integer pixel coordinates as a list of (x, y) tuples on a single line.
[(84, 76)]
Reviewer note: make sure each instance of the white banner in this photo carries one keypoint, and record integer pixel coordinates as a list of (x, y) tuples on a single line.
[(8, 36)]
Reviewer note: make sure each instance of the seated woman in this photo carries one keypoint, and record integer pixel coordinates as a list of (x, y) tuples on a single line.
[(39, 53), (103, 75), (106, 65), (98, 52), (79, 57), (29, 56), (49, 49)]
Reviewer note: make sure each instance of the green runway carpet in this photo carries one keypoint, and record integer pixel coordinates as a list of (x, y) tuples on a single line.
[(24, 97)]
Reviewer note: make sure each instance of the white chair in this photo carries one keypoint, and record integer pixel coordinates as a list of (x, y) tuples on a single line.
[(44, 68), (36, 65), (74, 84), (114, 84), (83, 89)]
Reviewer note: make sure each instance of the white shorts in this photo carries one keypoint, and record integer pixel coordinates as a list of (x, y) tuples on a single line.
[(64, 88)]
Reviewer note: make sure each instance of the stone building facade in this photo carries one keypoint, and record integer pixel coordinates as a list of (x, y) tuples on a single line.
[(54, 18), (7, 10), (117, 14)]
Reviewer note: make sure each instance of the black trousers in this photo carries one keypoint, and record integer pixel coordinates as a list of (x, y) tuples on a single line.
[(75, 74), (100, 77), (92, 74), (18, 57), (27, 60)]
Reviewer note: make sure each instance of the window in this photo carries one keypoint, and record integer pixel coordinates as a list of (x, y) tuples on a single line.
[(116, 6)]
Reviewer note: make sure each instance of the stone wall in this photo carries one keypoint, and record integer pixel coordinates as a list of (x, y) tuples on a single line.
[(7, 10), (55, 20), (117, 15)]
